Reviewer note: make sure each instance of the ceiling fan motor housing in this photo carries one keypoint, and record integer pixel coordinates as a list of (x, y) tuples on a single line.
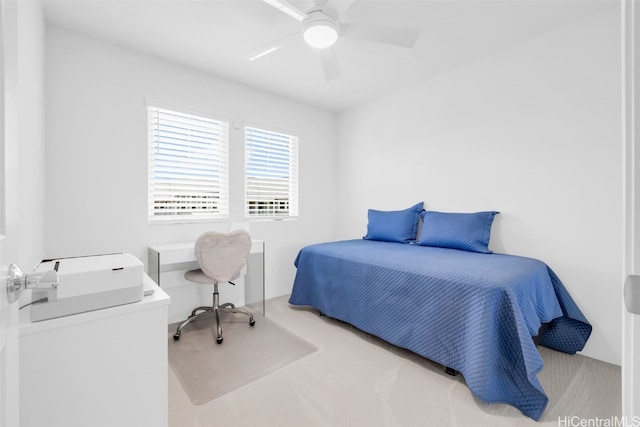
[(320, 30)]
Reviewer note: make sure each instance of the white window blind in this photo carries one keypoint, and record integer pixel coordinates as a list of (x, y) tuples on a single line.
[(188, 167), (271, 174)]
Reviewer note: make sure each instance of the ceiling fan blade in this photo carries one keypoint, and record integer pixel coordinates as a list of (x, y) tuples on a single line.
[(269, 48), (330, 64), (285, 7), (403, 37)]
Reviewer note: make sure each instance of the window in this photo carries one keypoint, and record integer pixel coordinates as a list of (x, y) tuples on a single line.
[(188, 167), (271, 174)]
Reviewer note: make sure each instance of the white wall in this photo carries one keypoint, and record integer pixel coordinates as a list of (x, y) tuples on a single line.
[(534, 132), (96, 174)]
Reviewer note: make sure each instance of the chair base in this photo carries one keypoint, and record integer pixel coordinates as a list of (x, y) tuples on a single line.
[(215, 309)]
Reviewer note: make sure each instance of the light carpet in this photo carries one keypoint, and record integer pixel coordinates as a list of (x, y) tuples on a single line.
[(208, 370), (356, 380)]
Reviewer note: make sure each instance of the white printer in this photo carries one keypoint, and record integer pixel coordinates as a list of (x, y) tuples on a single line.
[(88, 283)]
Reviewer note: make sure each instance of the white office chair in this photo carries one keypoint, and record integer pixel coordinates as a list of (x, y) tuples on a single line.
[(221, 257)]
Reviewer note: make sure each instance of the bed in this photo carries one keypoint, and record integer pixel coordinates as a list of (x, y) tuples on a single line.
[(474, 312)]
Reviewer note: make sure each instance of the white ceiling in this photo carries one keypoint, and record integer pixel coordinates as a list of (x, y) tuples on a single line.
[(212, 35)]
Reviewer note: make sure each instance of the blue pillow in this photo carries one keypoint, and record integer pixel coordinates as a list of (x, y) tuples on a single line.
[(394, 226), (465, 231)]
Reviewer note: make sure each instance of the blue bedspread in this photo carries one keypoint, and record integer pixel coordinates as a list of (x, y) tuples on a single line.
[(473, 312)]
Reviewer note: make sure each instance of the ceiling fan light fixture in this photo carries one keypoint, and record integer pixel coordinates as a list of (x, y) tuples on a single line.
[(320, 30)]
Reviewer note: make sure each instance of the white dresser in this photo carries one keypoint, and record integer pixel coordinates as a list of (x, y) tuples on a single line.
[(106, 367)]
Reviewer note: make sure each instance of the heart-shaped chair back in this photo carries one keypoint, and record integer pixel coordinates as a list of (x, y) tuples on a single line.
[(221, 256)]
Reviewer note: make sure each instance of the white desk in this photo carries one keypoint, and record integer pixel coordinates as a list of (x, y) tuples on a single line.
[(105, 367), (180, 256)]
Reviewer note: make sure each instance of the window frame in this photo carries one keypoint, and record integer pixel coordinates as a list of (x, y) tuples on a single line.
[(222, 152), (293, 181)]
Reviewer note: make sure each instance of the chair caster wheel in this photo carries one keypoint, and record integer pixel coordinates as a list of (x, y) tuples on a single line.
[(219, 340), (253, 322), (176, 337)]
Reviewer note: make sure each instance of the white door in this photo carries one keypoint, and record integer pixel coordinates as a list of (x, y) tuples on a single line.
[(9, 388), (631, 322)]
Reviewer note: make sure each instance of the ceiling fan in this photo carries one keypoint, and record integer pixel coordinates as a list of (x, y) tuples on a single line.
[(321, 28)]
